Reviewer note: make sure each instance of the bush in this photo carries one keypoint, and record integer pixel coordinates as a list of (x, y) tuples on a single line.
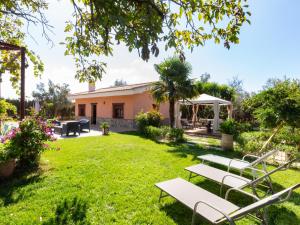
[(229, 126), (151, 118), (154, 118), (176, 135), (28, 141), (153, 133), (165, 130), (287, 140), (141, 121), (3, 153), (172, 134)]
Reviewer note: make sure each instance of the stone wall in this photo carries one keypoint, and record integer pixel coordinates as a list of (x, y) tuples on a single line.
[(115, 124), (119, 124)]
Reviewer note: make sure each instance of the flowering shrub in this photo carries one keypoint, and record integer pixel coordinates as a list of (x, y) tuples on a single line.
[(28, 141)]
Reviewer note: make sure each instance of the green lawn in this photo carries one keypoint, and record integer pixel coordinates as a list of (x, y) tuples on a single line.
[(110, 180)]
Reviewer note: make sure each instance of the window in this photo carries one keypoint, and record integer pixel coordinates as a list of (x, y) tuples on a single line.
[(81, 110), (118, 110)]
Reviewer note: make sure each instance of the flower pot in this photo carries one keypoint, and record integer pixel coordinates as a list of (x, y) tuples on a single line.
[(7, 168), (227, 141)]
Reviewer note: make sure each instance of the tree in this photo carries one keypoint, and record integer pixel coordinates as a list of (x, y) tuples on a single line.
[(277, 105), (54, 100), (215, 89), (139, 24), (205, 77), (240, 94), (119, 83), (6, 107), (174, 83), (13, 16)]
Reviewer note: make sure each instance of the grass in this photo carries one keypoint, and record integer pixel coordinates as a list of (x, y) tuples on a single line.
[(110, 180), (208, 140)]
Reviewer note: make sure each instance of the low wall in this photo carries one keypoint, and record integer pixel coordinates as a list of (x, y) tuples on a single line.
[(119, 124), (115, 124)]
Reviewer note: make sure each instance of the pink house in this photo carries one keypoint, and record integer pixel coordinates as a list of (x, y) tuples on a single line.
[(116, 105)]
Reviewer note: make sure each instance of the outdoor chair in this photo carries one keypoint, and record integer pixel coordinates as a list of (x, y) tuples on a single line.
[(185, 124), (239, 164), (85, 124), (214, 208), (235, 181), (69, 127)]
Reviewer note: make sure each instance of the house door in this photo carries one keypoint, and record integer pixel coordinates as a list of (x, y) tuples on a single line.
[(94, 114)]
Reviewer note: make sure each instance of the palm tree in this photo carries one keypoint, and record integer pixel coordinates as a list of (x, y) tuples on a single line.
[(174, 83)]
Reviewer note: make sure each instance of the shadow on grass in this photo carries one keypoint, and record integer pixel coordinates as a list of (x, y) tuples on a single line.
[(280, 215), (277, 214), (69, 211), (185, 149), (11, 189)]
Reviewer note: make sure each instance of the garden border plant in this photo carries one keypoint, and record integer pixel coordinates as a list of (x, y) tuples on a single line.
[(27, 142)]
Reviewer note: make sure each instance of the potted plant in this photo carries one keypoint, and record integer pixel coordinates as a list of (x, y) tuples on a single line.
[(229, 129), (7, 163), (105, 128)]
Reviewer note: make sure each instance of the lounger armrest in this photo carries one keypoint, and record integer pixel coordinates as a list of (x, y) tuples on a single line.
[(230, 220), (241, 191), (255, 169), (287, 196), (236, 177), (250, 156), (235, 159)]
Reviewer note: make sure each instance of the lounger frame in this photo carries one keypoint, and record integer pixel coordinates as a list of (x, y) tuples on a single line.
[(245, 211), (254, 182)]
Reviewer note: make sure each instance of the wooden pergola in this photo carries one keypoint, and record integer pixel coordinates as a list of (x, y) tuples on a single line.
[(10, 47)]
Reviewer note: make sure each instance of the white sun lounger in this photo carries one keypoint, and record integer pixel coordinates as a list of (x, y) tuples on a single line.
[(232, 180), (238, 164), (212, 207)]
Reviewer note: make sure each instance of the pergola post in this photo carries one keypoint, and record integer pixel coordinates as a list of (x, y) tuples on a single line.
[(10, 47), (22, 100), (216, 116)]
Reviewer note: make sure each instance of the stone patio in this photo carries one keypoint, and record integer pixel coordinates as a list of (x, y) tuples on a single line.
[(92, 133)]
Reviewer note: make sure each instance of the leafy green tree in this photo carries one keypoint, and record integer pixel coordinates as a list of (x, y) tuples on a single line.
[(14, 15), (142, 25), (5, 107), (97, 25), (174, 83), (54, 100), (119, 83), (278, 104), (215, 89)]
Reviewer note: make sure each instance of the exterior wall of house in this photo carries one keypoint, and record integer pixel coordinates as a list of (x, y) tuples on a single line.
[(133, 104)]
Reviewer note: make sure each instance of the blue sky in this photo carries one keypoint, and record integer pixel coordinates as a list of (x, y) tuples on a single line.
[(269, 47)]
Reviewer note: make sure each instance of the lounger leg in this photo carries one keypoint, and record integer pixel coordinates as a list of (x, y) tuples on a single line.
[(160, 196), (221, 190), (265, 217), (269, 180), (194, 214)]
